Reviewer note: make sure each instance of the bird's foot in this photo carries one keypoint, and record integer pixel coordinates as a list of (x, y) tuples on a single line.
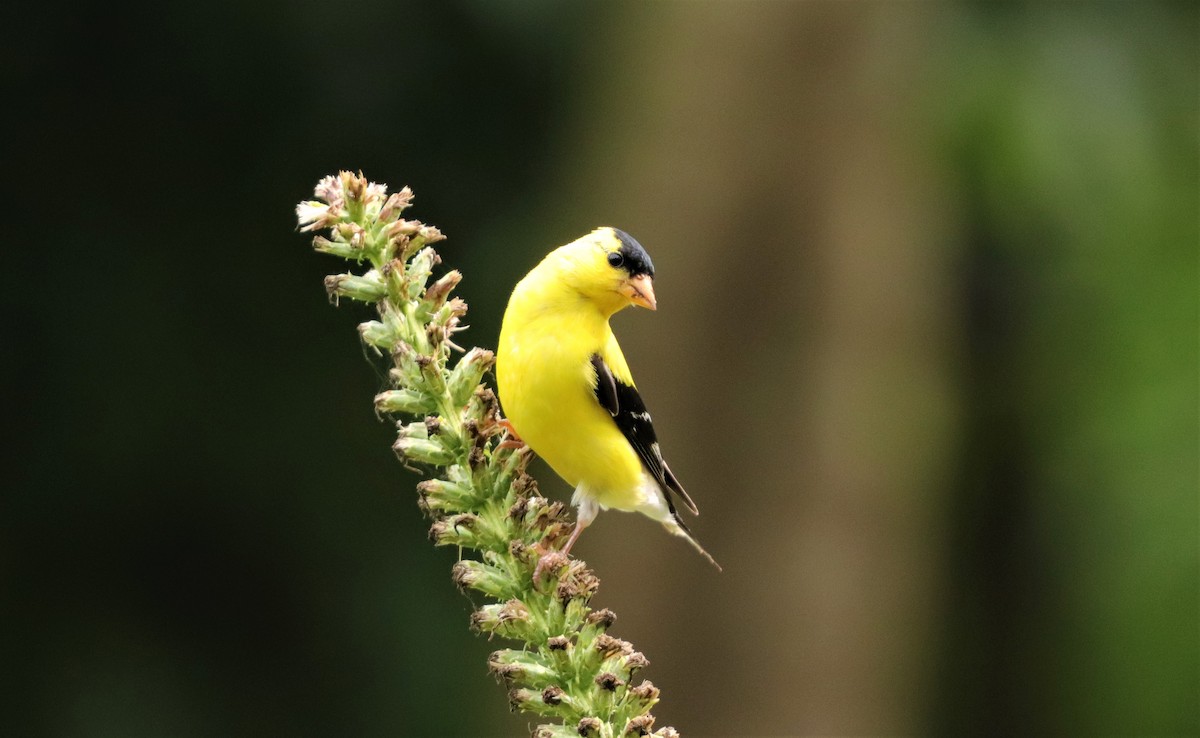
[(512, 440), (550, 560)]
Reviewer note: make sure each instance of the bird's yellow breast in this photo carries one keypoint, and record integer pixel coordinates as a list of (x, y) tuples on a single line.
[(546, 382)]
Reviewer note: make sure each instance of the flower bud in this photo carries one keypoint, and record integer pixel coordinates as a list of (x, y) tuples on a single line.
[(490, 580), (537, 512), (440, 495), (574, 613), (421, 451), (508, 620), (393, 278), (487, 536), (395, 204), (446, 321), (451, 531), (352, 234), (521, 552), (523, 484), (608, 681), (449, 313), (483, 408), (329, 189), (645, 695), (512, 470), (415, 429), (577, 583), (433, 426), (640, 725), (522, 668), (469, 531), (459, 475), (354, 187), (431, 234), (437, 292), (608, 647), (635, 662), (336, 248), (464, 379), (374, 193), (403, 228), (545, 702), (313, 216), (419, 270), (414, 235), (589, 727), (408, 369), (559, 652), (367, 288), (403, 401), (592, 625), (378, 335), (436, 334), (601, 619)]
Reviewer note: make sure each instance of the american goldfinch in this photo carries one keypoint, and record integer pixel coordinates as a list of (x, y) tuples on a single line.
[(566, 389)]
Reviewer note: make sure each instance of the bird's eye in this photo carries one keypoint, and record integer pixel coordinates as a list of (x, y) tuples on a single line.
[(616, 259)]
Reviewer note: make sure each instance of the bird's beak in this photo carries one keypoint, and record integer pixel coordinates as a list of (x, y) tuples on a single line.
[(640, 291)]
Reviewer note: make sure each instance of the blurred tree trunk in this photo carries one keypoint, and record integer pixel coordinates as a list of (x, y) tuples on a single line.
[(1076, 574), (771, 168)]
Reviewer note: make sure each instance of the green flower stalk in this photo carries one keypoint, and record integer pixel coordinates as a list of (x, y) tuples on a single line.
[(479, 495)]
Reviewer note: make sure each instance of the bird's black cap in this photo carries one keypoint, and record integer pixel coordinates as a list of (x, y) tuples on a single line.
[(637, 261)]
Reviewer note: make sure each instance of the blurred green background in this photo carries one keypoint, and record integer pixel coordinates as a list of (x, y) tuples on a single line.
[(926, 357)]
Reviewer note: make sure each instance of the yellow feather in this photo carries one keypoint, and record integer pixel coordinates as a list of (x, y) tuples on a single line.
[(556, 320)]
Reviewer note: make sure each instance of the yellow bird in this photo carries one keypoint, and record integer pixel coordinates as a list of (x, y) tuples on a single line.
[(566, 389)]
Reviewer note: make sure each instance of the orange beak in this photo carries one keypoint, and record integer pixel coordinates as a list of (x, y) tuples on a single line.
[(640, 291)]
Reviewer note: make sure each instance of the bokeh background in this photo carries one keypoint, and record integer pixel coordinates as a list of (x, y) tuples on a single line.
[(926, 357)]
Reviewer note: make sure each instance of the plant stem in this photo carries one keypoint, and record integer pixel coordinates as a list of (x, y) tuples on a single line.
[(479, 495)]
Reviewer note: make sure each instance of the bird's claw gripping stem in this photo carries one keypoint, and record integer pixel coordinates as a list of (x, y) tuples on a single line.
[(553, 560), (512, 440)]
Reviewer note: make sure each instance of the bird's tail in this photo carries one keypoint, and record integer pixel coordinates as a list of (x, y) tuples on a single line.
[(677, 527)]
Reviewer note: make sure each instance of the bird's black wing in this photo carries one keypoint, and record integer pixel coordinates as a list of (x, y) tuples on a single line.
[(628, 411)]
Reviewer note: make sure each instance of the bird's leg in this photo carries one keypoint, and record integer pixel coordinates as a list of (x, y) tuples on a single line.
[(513, 440), (554, 559), (579, 526), (588, 509)]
